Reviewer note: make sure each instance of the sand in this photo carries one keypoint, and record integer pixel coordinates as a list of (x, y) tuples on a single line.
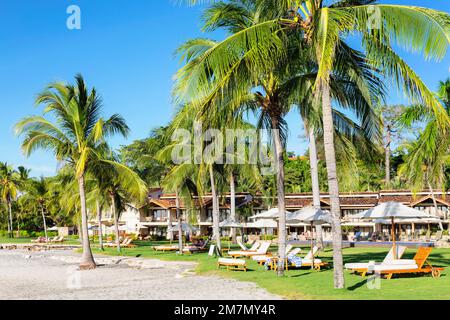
[(54, 275)]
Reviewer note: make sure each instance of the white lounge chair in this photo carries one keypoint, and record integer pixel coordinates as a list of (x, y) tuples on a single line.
[(232, 264), (387, 260), (264, 258), (262, 250)]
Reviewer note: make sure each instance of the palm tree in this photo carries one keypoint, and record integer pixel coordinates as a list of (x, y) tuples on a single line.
[(9, 186), (76, 137), (121, 184), (38, 195), (283, 85), (321, 25), (428, 155)]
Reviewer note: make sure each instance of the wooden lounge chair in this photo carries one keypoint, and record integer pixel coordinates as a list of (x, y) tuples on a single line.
[(165, 248), (387, 260), (308, 262), (232, 264), (126, 243), (39, 240), (419, 265), (58, 239), (262, 259), (196, 248), (262, 250)]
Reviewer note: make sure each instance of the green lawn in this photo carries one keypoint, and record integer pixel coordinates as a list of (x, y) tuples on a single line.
[(307, 284)]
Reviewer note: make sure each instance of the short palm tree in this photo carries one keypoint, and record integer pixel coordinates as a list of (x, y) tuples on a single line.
[(37, 195), (429, 154), (76, 137), (9, 186), (120, 184)]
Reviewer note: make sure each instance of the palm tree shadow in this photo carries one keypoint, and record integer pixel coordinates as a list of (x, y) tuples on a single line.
[(357, 285)]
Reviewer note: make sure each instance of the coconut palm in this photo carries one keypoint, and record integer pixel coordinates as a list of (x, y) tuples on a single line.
[(428, 155), (37, 195), (122, 186), (10, 182), (285, 84), (321, 25), (75, 137)]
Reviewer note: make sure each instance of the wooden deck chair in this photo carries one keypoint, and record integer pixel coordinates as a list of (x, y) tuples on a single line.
[(387, 260), (261, 251), (423, 266), (127, 243), (165, 248), (232, 264), (262, 259)]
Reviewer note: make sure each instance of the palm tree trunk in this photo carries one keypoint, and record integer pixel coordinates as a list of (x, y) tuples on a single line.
[(10, 219), (315, 180), (233, 206), (388, 157), (100, 226), (116, 221), (280, 195), (441, 227), (169, 226), (333, 186), (45, 223), (9, 224), (180, 228), (216, 212), (87, 259)]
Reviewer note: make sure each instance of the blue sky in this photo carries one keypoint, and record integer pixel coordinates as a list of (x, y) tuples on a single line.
[(125, 49)]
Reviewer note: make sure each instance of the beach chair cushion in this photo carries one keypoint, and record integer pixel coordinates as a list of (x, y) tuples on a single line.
[(387, 260), (388, 267), (231, 262), (309, 261), (295, 261)]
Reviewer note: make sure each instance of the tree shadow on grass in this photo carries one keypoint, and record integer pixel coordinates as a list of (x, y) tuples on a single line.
[(358, 285)]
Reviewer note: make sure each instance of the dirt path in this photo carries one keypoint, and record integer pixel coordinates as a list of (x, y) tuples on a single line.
[(54, 275)]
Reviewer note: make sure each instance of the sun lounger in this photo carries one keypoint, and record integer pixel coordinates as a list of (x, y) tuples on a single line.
[(262, 259), (262, 250), (388, 259), (232, 264), (419, 265), (126, 243), (166, 248), (307, 260), (57, 239), (196, 248)]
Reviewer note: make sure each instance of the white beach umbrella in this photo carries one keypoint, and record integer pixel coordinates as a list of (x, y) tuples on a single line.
[(269, 214), (230, 224), (185, 227), (312, 216), (262, 224), (392, 210)]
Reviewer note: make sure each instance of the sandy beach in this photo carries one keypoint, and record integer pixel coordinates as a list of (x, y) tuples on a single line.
[(54, 275)]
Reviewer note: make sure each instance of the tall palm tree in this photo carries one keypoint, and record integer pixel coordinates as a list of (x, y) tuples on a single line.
[(75, 137), (280, 87), (321, 25), (9, 186)]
